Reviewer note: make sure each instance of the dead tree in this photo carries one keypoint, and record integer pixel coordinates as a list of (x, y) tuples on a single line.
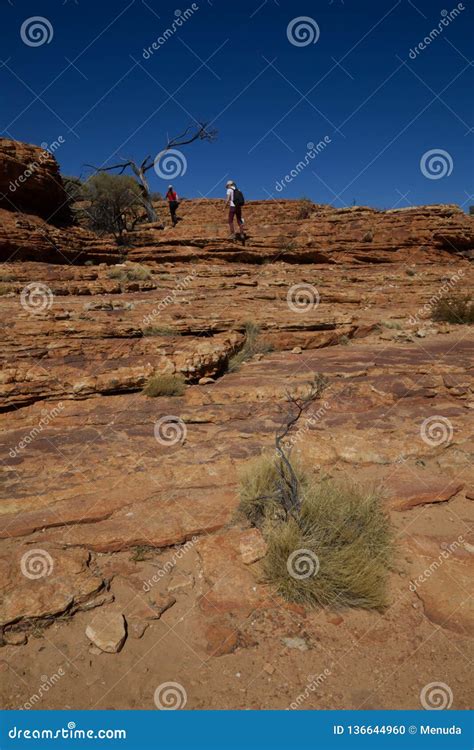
[(289, 490), (198, 132)]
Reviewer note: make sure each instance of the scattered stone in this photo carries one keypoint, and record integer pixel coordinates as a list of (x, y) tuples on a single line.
[(15, 638), (181, 582), (252, 546), (268, 668), (298, 643), (107, 631), (221, 639), (296, 350), (336, 620), (136, 628), (161, 602), (206, 381)]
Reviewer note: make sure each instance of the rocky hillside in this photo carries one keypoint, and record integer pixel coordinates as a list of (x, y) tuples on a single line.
[(118, 521)]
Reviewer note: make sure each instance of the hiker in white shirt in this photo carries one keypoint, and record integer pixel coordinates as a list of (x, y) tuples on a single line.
[(235, 200)]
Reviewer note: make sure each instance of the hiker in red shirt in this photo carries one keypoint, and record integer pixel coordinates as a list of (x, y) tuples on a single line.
[(173, 203)]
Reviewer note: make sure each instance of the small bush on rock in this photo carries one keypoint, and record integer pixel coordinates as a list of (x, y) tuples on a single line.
[(335, 552), (456, 309), (130, 272), (254, 344), (305, 208), (165, 385)]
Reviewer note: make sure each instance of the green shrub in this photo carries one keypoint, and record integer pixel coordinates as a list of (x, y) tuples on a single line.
[(456, 309), (165, 385), (305, 208), (130, 272), (254, 344), (160, 331), (336, 551)]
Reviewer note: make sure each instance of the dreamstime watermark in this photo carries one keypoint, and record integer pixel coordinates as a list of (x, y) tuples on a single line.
[(170, 299), (36, 298), (32, 167), (436, 696), (302, 31), (446, 19), (436, 164), (169, 565), (47, 683), (442, 292), (36, 563), (443, 555), (313, 418), (170, 430), (170, 696), (170, 163), (46, 419), (36, 31), (301, 298), (436, 430), (303, 563), (180, 18), (313, 683), (313, 150)]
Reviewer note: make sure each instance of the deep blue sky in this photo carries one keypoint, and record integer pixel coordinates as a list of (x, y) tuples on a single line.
[(381, 109)]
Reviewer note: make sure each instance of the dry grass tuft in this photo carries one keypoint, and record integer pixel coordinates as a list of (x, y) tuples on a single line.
[(341, 539), (254, 344), (165, 385), (455, 309), (130, 272)]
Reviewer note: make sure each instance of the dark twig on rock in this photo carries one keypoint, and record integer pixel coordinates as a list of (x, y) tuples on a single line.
[(289, 486)]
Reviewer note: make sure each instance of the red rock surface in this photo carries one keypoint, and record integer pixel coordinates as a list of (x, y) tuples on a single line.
[(132, 513), (30, 182)]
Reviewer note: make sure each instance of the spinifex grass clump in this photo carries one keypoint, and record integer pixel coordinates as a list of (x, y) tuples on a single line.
[(335, 552), (130, 272), (455, 309), (329, 543), (165, 385), (254, 344), (259, 489)]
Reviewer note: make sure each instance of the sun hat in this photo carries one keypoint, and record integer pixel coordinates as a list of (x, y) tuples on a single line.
[(229, 183)]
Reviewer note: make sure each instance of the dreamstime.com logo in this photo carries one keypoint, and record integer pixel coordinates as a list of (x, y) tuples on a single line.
[(170, 696), (47, 417), (436, 430), (436, 696), (36, 563), (313, 683), (170, 430), (302, 31), (314, 149), (170, 299), (36, 31), (47, 683), (36, 298), (436, 164), (170, 163), (169, 565), (302, 563), (33, 166), (446, 19), (444, 555), (440, 294), (302, 298), (180, 18)]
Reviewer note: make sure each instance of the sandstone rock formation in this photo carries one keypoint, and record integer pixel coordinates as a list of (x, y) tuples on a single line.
[(129, 502), (30, 182)]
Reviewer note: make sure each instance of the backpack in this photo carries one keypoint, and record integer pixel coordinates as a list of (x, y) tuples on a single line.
[(238, 199)]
